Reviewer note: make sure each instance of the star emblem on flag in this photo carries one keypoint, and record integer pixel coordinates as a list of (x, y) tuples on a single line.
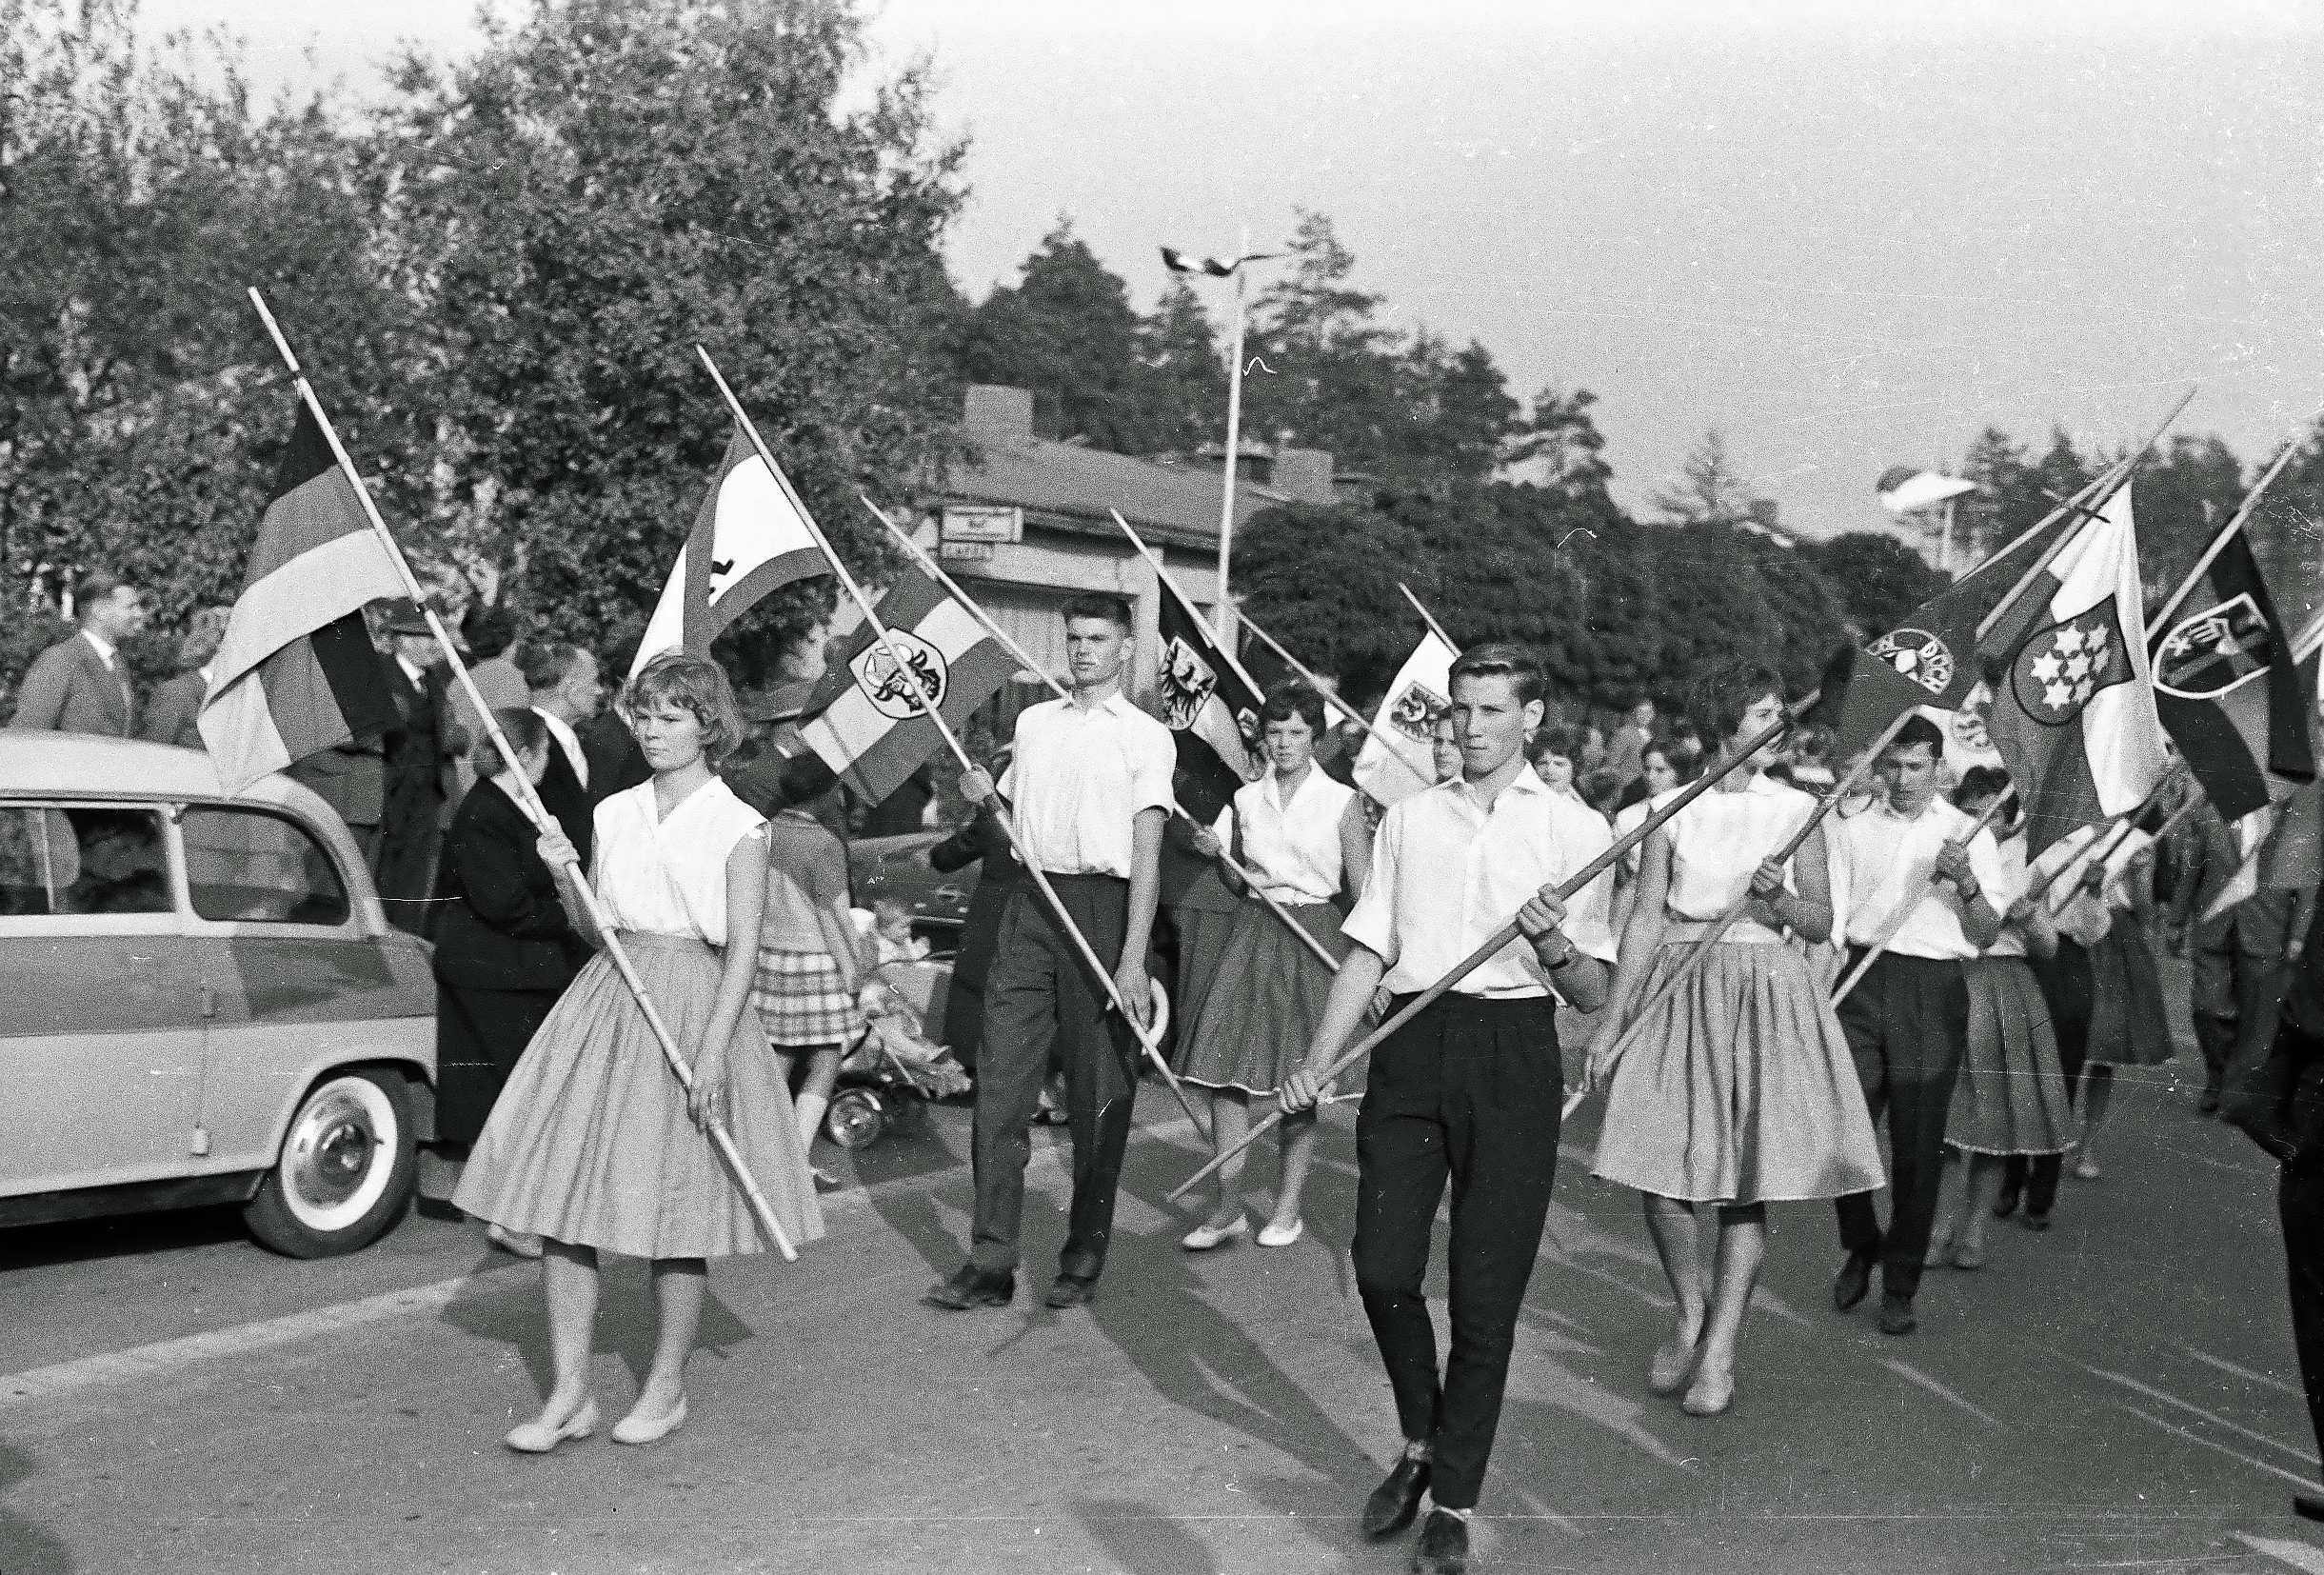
[(2061, 666)]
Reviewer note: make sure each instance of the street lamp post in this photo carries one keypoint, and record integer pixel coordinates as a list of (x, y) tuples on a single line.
[(1222, 612)]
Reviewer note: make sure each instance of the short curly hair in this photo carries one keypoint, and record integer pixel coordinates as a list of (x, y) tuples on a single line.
[(695, 683)]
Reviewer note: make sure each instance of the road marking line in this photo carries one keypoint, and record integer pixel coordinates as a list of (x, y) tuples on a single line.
[(165, 1356), (1914, 1375), (2213, 1417), (2298, 1555), (2227, 1366), (2178, 1431)]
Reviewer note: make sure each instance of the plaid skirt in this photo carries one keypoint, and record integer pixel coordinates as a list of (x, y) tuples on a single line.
[(803, 999)]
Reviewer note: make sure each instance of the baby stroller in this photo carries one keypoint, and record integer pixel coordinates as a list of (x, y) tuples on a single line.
[(896, 1067)]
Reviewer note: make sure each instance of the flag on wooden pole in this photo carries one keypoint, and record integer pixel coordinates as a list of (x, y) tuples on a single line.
[(1396, 759), (297, 672), (866, 727), (748, 540), (2236, 695), (1211, 709)]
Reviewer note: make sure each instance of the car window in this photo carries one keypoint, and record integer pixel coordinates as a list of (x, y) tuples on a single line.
[(96, 860), (248, 867)]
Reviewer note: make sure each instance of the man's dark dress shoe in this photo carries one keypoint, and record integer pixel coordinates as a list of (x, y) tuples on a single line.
[(2005, 1201), (1444, 1547), (2308, 1506), (1896, 1314), (1071, 1290), (973, 1287), (1395, 1501), (1853, 1279)]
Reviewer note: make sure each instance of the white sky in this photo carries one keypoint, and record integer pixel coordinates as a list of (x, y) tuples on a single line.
[(1848, 236)]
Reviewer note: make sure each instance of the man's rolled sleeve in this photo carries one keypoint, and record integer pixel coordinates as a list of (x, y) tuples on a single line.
[(1153, 758)]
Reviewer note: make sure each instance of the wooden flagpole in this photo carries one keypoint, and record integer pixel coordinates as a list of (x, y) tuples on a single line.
[(927, 709), (1909, 907), (1185, 601), (1316, 683), (529, 801), (1502, 938), (2102, 848), (929, 567), (1832, 800), (1428, 618), (2228, 531)]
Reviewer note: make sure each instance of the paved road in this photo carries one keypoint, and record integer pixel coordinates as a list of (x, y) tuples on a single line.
[(2118, 1394)]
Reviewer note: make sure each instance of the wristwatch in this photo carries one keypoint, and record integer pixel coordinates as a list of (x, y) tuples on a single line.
[(1571, 952)]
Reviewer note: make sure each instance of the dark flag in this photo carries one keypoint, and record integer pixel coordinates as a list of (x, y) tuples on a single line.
[(1212, 711), (2233, 692)]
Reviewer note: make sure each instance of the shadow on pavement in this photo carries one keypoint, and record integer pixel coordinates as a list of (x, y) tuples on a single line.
[(508, 1308), (126, 1235), (26, 1548), (1139, 1541)]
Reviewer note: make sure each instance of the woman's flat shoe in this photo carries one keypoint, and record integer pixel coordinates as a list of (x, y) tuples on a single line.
[(1709, 1396), (1272, 1235), (1673, 1364), (1204, 1237), (2035, 1222), (1965, 1256), (636, 1429), (539, 1438), (1939, 1253), (2086, 1168)]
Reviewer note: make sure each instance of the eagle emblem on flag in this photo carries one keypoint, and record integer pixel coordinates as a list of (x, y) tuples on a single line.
[(1416, 712), (1185, 684), (2219, 649), (889, 687), (1918, 655), (2060, 667)]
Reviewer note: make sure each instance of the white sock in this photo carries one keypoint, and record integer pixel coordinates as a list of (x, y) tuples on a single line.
[(811, 1108), (1457, 1514)]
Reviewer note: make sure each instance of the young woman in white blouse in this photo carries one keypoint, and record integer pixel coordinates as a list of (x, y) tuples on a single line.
[(1304, 837), (1739, 1091), (593, 1146)]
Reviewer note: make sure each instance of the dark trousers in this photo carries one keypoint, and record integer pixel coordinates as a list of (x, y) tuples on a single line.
[(1039, 996), (2234, 996), (964, 1021), (1907, 1023), (2300, 1201), (2065, 989), (1468, 1089)]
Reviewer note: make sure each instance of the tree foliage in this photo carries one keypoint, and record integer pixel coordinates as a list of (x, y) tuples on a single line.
[(1878, 578)]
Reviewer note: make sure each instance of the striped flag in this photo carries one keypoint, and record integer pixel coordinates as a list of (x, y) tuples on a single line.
[(2284, 850), (1211, 708), (2073, 706), (1420, 693), (297, 672), (2236, 697), (866, 727), (748, 540)]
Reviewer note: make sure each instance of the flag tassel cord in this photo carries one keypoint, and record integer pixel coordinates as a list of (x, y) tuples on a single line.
[(1427, 618), (925, 708), (1700, 950), (529, 801), (1500, 939)]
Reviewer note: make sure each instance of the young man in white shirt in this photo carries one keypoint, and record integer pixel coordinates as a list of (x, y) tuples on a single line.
[(1470, 1090), (1907, 1019), (1086, 793)]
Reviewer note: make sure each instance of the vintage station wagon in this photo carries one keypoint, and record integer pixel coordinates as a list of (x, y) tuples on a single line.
[(201, 1001)]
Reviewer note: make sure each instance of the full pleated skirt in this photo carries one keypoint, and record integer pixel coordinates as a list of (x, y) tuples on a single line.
[(1202, 947), (1738, 1088), (2011, 1095), (2127, 1023), (590, 1142), (1266, 1000)]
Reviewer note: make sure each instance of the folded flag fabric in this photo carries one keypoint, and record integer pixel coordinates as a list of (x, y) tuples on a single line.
[(2073, 707), (866, 727), (297, 672), (1211, 708), (2286, 842), (1396, 759), (748, 540), (2230, 688), (1268, 671)]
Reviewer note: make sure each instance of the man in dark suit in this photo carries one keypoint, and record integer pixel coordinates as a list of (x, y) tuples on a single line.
[(566, 693), (2240, 959), (416, 752), (81, 685), (176, 705)]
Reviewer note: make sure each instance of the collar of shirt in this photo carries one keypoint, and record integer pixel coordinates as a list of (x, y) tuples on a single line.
[(103, 648), (206, 680), (1526, 782), (1274, 788), (412, 670)]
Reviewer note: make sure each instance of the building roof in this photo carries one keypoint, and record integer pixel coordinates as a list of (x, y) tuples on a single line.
[(1074, 486)]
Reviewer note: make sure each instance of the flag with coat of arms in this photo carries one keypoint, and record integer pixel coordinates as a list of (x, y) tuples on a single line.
[(2074, 711), (1210, 705), (1398, 759)]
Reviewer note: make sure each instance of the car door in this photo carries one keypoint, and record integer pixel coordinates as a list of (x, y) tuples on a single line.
[(101, 1021)]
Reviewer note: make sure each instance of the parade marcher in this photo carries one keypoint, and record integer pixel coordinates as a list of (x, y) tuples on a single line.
[(417, 751), (1907, 1019), (1470, 1089), (2080, 920), (1086, 795), (505, 948), (487, 636), (1304, 836), (2129, 1025), (811, 964), (2011, 1100), (982, 843), (1626, 749), (1200, 911), (1655, 777), (1738, 1091), (1552, 753), (1444, 748), (171, 715), (82, 685), (594, 1145), (2240, 959), (563, 688)]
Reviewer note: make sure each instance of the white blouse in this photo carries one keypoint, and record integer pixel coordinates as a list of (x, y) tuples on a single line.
[(1717, 842), (1294, 846), (667, 876), (2014, 879)]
